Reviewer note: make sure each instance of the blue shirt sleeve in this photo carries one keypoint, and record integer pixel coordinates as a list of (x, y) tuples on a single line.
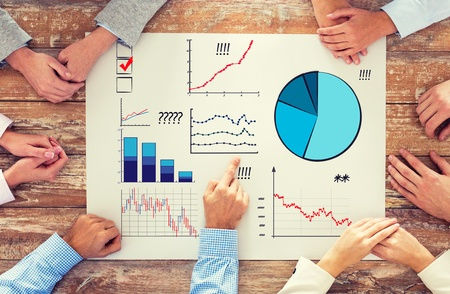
[(217, 268), (413, 15), (40, 270)]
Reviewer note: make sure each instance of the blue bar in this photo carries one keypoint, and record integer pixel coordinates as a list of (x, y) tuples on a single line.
[(167, 170), (185, 176), (130, 167), (149, 162)]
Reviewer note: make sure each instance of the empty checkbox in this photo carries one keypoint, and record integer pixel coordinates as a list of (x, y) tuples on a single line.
[(123, 51), (124, 84)]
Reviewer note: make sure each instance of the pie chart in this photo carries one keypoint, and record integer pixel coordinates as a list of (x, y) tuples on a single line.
[(317, 116)]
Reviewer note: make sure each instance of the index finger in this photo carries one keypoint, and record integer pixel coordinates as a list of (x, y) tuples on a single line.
[(230, 172)]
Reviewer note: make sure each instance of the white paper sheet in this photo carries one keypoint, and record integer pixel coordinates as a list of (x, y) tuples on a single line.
[(280, 102)]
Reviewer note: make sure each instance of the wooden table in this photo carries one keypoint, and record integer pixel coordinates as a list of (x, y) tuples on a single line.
[(413, 65)]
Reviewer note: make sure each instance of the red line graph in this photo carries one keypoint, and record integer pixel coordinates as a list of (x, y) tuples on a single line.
[(319, 212), (224, 69), (133, 114)]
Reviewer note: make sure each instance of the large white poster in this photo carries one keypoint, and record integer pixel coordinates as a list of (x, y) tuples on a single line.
[(166, 116)]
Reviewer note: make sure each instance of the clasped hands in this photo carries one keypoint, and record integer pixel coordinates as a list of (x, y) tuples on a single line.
[(42, 158), (58, 79)]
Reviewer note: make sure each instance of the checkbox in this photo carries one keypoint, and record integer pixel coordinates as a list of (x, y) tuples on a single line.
[(120, 69), (124, 84), (123, 51)]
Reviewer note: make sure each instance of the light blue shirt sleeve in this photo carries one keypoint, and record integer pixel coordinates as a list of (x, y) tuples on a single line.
[(40, 270), (217, 268), (410, 16)]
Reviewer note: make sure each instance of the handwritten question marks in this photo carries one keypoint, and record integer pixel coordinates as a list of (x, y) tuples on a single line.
[(170, 117)]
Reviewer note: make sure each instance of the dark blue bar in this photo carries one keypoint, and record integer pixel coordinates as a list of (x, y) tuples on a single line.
[(167, 178), (130, 170)]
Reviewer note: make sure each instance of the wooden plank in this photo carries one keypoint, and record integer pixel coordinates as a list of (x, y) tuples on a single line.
[(60, 25), (66, 122), (254, 277), (408, 75)]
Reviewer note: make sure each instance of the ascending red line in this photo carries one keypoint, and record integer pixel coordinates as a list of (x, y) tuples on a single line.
[(224, 69), (134, 113), (319, 212)]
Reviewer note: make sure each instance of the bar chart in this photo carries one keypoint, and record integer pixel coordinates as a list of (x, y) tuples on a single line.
[(145, 165)]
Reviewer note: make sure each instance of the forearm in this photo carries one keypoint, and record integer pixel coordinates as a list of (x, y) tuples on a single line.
[(39, 271), (12, 36), (217, 268), (324, 7)]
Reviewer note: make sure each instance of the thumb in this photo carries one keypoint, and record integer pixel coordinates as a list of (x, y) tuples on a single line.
[(343, 12), (38, 152), (444, 133), (63, 57), (63, 72)]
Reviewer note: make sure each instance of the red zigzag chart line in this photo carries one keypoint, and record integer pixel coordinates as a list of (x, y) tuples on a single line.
[(224, 69), (319, 212)]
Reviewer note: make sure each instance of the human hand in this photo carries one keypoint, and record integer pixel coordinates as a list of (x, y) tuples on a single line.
[(225, 202), (81, 56), (362, 28), (324, 8), (93, 236), (404, 248), (434, 110), (39, 70), (25, 145), (422, 186), (32, 169), (356, 242)]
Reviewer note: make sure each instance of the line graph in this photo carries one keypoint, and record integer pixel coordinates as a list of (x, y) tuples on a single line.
[(310, 215), (134, 114), (319, 212), (158, 214), (202, 88), (222, 134), (134, 118)]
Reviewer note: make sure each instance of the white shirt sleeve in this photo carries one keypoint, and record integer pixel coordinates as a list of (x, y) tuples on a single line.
[(308, 278), (410, 16), (5, 192), (436, 276)]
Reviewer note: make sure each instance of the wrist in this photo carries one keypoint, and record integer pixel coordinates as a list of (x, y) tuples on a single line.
[(422, 259), (385, 24), (11, 178), (103, 40), (331, 265), (18, 59)]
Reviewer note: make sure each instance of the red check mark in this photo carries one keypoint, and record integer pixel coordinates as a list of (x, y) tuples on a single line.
[(125, 66)]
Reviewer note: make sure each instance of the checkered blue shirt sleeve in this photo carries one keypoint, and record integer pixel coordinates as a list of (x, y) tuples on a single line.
[(217, 268), (40, 270)]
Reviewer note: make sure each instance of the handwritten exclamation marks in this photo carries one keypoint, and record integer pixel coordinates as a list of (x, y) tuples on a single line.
[(244, 173), (364, 74), (223, 49)]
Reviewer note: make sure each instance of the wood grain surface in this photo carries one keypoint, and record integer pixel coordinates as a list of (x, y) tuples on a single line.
[(414, 64)]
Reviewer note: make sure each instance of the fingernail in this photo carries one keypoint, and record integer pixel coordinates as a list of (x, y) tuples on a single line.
[(49, 155), (348, 62), (68, 74), (389, 167), (58, 148), (391, 157), (389, 178), (331, 14)]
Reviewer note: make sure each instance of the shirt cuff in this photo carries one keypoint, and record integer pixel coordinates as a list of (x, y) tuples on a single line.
[(406, 17), (5, 193), (56, 252), (436, 275), (308, 277), (5, 123), (218, 243)]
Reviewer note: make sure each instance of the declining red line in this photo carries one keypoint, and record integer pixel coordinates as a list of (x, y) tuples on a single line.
[(134, 113), (319, 212), (224, 69)]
